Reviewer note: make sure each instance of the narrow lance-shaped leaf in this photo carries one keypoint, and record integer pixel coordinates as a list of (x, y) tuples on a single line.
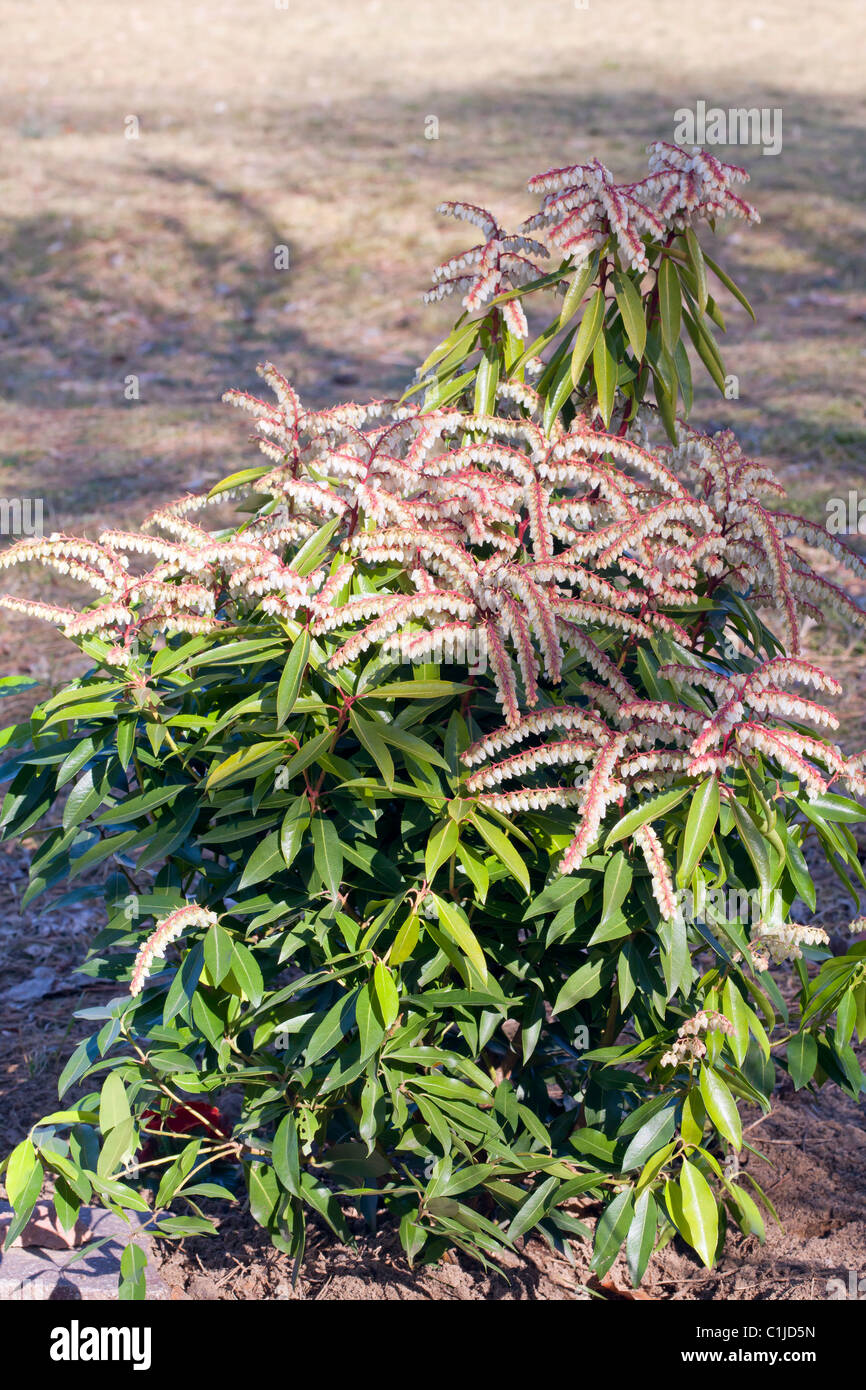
[(670, 303), (290, 681), (584, 342), (631, 308), (700, 825)]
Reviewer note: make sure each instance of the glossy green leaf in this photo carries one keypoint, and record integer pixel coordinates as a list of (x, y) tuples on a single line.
[(631, 308), (290, 681), (700, 827), (584, 341), (721, 1106), (700, 1212)]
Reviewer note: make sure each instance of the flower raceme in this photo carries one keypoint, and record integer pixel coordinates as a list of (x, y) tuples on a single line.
[(582, 208), (541, 553), (166, 931), (502, 263)]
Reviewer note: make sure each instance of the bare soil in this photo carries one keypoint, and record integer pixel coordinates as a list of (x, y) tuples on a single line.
[(816, 1143)]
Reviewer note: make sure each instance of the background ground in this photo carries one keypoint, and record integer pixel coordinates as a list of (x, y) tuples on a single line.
[(263, 126)]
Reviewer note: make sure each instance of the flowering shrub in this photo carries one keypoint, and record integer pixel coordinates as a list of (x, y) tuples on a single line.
[(452, 799)]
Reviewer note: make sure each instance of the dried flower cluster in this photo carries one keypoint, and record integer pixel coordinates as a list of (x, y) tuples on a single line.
[(688, 1045)]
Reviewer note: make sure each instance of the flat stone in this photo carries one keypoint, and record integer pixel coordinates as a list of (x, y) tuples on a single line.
[(41, 1273), (44, 1231)]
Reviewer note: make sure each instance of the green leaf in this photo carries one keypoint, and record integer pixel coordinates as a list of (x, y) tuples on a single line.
[(264, 1192), (698, 264), (533, 1209), (328, 853), (706, 348), (440, 847), (700, 826), (67, 1204), (247, 762), (133, 1283), (24, 1172), (754, 842), (405, 940), (387, 995), (734, 1007), (675, 955), (561, 389), (486, 380), (414, 690), (286, 1155), (801, 1055), (604, 370), (611, 1231), (290, 681), (371, 1027), (454, 922), (694, 1117), (217, 953), (583, 984), (631, 308), (459, 343), (313, 549), (833, 808), (411, 744), (174, 1175), (294, 829), (183, 987), (641, 1236), (503, 849), (730, 286), (117, 1149), (476, 871), (653, 809), (617, 882), (584, 341), (113, 1103), (338, 1021), (750, 1219), (368, 736), (245, 969), (265, 861), (243, 478), (137, 806), (721, 1106), (577, 289), (670, 303), (653, 1135), (700, 1212), (684, 375)]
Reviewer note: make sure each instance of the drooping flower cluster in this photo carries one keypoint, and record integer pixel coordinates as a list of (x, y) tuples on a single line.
[(502, 263), (516, 553), (166, 931), (583, 208)]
